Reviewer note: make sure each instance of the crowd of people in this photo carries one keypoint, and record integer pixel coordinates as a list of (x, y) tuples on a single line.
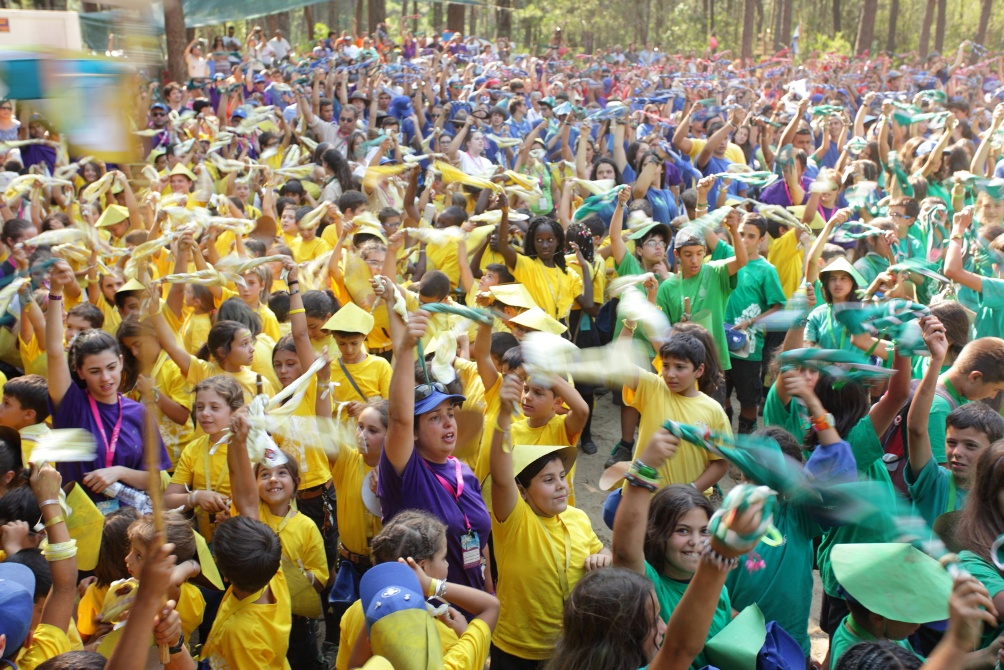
[(305, 386)]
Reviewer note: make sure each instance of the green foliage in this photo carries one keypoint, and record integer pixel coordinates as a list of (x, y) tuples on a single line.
[(838, 44), (320, 31)]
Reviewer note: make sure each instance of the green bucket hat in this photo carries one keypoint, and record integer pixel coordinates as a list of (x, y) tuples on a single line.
[(843, 265), (893, 580), (655, 226)]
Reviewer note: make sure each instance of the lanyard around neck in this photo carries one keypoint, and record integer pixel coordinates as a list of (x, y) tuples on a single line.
[(116, 430), (455, 493)]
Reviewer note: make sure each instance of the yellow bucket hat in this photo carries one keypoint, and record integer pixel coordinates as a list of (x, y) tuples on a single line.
[(183, 170), (525, 454), (112, 215), (514, 295), (351, 319), (537, 319), (132, 285)]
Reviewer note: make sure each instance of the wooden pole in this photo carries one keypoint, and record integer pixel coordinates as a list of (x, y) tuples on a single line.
[(151, 453)]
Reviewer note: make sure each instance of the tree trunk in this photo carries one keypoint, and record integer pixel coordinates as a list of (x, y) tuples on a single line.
[(174, 30), (939, 26), (778, 10), (890, 42), (360, 14), (308, 23), (836, 16), (925, 28), (437, 17), (786, 16), (866, 26), (472, 21), (711, 14), (283, 23), (981, 31), (503, 18), (455, 17), (749, 28)]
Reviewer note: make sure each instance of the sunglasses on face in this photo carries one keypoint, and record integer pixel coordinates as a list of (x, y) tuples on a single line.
[(423, 391), (151, 113)]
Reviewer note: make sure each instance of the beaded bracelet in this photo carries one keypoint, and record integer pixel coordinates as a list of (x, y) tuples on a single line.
[(633, 480), (709, 555)]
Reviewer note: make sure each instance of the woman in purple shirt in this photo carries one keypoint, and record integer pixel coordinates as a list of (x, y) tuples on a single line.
[(417, 467), (83, 393)]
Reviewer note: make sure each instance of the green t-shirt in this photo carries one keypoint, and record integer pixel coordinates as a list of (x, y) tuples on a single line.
[(934, 491), (990, 577), (629, 266), (844, 638), (775, 413), (781, 589), (874, 486), (669, 592), (722, 251), (823, 329), (709, 289), (870, 267), (990, 317), (757, 290)]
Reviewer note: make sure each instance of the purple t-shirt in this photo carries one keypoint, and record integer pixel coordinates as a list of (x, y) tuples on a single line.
[(777, 193), (75, 412), (419, 488)]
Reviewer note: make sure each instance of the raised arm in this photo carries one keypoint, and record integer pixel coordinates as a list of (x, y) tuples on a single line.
[(617, 245), (954, 267), (508, 253), (681, 137), (741, 257), (979, 166), (243, 488), (59, 605), (167, 339), (631, 522), (505, 493), (918, 439), (400, 439), (719, 136), (59, 369), (453, 151)]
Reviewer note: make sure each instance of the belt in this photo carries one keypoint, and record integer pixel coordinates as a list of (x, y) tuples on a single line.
[(314, 491), (358, 559), (381, 350)]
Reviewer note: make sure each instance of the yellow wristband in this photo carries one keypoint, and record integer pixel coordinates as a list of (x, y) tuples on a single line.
[(433, 586), (296, 311), (59, 518)]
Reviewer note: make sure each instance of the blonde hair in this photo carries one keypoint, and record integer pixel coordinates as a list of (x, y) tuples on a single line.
[(177, 530)]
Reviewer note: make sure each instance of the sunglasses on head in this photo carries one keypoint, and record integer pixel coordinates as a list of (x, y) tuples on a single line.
[(423, 391)]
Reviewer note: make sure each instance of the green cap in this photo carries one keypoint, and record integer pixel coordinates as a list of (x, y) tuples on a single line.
[(656, 227), (737, 646), (893, 580)]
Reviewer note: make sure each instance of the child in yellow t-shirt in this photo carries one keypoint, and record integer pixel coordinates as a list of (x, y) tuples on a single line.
[(307, 245), (25, 408), (540, 402), (111, 567), (359, 375), (201, 480)]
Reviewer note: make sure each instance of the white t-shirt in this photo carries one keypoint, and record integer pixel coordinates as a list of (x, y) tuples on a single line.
[(280, 46), (198, 67), (477, 167)]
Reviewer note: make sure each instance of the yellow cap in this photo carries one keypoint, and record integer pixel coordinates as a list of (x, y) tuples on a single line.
[(351, 319), (537, 319), (514, 295), (525, 454), (183, 170), (132, 285), (376, 231), (114, 214), (84, 523)]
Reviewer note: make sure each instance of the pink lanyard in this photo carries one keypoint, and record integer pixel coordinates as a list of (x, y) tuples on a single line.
[(454, 493), (109, 446)]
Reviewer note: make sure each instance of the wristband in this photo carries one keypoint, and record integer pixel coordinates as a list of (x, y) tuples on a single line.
[(709, 555), (955, 236), (55, 520), (821, 423), (51, 501), (299, 310), (293, 281), (55, 297), (60, 551), (176, 649), (433, 588), (634, 480)]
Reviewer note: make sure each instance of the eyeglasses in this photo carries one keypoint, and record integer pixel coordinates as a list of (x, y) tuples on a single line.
[(423, 391), (346, 120), (897, 215), (655, 244), (6, 108)]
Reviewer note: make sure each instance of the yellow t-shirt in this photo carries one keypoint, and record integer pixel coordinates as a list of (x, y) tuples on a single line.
[(474, 391), (330, 235), (191, 608), (356, 526), (372, 376), (300, 539), (262, 362), (30, 435), (168, 380), (470, 651), (308, 251), (47, 642), (552, 289), (298, 437), (733, 152), (269, 324), (786, 257), (195, 331), (250, 635), (353, 622), (597, 273), (445, 259), (540, 560), (33, 358), (199, 471), (199, 369), (492, 406), (551, 433), (112, 317), (89, 607), (657, 403)]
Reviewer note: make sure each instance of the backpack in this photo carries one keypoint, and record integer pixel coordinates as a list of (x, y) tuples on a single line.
[(606, 321), (894, 440)]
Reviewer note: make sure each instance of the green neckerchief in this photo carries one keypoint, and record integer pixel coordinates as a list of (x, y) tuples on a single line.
[(955, 394)]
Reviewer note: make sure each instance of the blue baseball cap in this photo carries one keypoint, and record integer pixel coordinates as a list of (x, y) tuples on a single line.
[(159, 105), (239, 113), (259, 78), (430, 396), (17, 595), (386, 589)]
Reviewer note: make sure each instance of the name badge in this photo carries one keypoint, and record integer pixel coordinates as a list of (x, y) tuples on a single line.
[(471, 547)]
